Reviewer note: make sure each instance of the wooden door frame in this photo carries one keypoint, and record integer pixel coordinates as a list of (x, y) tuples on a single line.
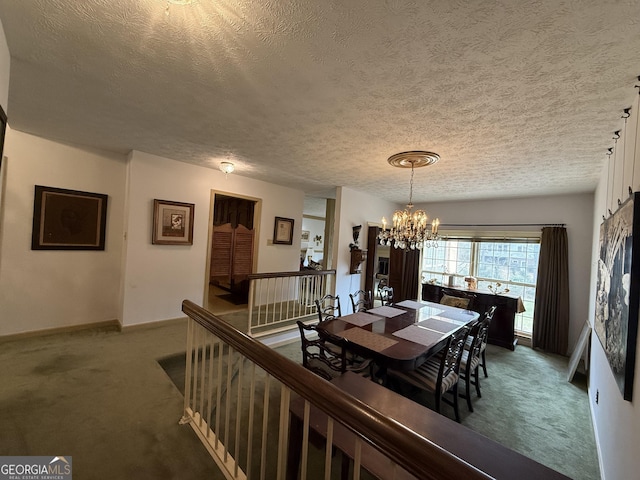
[(257, 211)]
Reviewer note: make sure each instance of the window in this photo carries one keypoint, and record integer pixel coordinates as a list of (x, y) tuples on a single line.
[(511, 260)]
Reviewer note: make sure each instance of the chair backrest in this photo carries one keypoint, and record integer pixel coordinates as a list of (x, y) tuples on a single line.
[(488, 315), (477, 336), (328, 307), (453, 353), (486, 320), (316, 354), (386, 295), (360, 301)]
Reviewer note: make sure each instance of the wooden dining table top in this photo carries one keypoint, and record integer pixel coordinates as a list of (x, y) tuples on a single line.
[(401, 336)]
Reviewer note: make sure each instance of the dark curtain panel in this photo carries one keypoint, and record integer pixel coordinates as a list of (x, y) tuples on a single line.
[(551, 316), (404, 266)]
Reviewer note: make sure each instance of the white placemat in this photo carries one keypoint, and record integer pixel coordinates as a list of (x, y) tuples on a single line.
[(420, 335), (360, 318), (387, 311), (411, 304), (458, 315), (440, 324)]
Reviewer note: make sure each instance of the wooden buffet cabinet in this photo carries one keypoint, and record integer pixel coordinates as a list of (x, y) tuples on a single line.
[(501, 329)]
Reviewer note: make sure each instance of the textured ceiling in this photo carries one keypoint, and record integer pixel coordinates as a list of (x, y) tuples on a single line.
[(518, 97)]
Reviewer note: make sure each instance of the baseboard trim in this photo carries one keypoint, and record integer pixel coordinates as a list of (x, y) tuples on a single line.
[(595, 433), (153, 324), (106, 325)]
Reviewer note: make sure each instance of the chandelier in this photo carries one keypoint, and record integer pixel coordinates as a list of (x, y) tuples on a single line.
[(410, 229)]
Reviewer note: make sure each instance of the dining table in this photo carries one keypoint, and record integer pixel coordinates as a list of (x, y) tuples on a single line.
[(401, 336)]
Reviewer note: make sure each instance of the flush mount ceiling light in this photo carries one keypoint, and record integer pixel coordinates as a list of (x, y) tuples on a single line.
[(409, 229), (227, 167)]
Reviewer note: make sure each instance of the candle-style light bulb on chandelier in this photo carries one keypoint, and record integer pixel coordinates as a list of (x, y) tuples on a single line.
[(409, 229)]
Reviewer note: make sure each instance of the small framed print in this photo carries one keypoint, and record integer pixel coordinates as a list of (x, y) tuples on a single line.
[(68, 219), (172, 223), (305, 236), (283, 231)]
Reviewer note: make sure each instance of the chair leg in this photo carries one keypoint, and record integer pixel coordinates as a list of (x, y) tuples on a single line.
[(476, 376), (455, 402), (484, 365), (467, 390)]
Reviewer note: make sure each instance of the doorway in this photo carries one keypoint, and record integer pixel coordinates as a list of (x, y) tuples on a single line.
[(232, 252), (391, 266)]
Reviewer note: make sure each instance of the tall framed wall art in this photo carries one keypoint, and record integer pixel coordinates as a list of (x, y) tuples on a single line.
[(618, 291)]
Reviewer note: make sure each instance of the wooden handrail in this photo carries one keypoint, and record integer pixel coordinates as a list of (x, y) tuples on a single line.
[(297, 273), (415, 453)]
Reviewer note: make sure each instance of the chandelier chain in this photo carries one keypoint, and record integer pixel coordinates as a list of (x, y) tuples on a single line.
[(411, 188)]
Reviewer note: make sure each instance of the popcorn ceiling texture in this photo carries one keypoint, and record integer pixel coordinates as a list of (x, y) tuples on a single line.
[(519, 98)]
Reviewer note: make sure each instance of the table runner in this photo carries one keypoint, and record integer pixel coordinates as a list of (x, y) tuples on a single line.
[(367, 339), (417, 334), (360, 319), (386, 311)]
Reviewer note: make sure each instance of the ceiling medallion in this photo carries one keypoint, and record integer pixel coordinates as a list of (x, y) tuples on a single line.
[(409, 229)]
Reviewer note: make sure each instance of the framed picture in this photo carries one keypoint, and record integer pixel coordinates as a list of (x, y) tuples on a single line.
[(283, 231), (172, 223), (618, 292), (68, 219), (305, 236)]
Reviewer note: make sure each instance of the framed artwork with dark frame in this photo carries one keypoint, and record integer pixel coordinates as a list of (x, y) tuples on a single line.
[(618, 292), (68, 219), (172, 223), (283, 231)]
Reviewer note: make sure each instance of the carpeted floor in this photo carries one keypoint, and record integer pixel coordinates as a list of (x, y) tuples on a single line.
[(103, 398), (526, 404)]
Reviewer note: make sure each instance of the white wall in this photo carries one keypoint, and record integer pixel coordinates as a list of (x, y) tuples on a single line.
[(353, 208), (576, 211), (616, 421), (42, 289), (158, 277)]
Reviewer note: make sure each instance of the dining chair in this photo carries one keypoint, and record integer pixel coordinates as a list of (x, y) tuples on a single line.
[(439, 374), (386, 295), (328, 307), (488, 317), (326, 355), (360, 301), (470, 362)]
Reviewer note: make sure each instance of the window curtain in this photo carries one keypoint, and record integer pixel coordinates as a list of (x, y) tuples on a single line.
[(551, 316)]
